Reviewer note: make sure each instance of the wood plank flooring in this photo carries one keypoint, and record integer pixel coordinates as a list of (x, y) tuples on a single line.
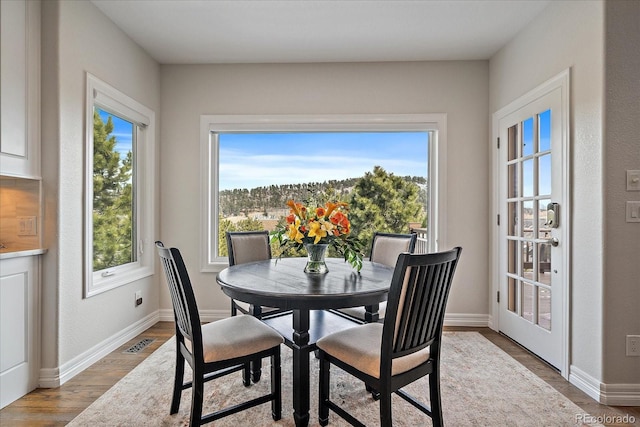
[(56, 407)]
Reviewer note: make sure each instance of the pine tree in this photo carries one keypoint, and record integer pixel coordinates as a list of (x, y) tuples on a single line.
[(112, 199), (383, 202)]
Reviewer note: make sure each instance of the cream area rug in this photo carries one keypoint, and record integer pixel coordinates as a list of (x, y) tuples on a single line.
[(481, 386)]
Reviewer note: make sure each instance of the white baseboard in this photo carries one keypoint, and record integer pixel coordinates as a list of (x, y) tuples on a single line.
[(585, 382), (470, 320), (166, 315), (620, 394), (55, 377), (607, 394)]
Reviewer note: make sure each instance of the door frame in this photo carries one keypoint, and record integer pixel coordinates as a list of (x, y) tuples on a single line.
[(560, 81)]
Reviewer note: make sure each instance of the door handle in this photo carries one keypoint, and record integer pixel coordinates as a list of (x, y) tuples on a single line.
[(553, 242)]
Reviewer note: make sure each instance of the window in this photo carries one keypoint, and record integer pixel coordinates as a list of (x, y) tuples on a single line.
[(252, 164), (119, 189)]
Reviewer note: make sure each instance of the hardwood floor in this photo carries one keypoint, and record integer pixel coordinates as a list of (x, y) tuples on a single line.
[(56, 407)]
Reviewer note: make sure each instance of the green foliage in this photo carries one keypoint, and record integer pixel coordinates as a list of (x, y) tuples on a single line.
[(247, 224), (113, 209), (384, 202)]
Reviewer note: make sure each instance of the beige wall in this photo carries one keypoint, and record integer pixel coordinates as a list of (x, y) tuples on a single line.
[(459, 89), (78, 38), (604, 261)]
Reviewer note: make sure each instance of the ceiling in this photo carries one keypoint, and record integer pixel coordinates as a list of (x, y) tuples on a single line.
[(286, 31)]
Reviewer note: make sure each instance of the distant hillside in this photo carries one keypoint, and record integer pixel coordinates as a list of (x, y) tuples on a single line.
[(265, 199)]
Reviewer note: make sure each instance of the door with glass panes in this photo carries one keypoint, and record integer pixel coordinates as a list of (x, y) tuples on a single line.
[(532, 291)]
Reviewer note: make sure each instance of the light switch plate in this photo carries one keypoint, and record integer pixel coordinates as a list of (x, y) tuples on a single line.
[(27, 226), (633, 211), (633, 180)]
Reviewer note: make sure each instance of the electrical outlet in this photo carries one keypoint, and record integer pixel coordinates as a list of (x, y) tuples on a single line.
[(138, 298), (633, 345)]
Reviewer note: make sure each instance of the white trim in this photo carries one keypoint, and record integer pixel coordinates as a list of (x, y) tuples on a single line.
[(466, 319), (55, 377), (606, 394), (103, 95), (347, 122), (620, 394), (560, 81), (585, 382), (166, 315)]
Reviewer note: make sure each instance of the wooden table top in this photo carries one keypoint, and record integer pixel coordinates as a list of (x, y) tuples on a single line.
[(282, 283)]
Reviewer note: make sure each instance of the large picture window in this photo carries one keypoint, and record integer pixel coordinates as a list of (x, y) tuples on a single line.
[(384, 167), (119, 188)]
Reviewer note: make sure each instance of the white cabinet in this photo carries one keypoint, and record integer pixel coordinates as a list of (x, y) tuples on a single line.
[(19, 327), (20, 88)]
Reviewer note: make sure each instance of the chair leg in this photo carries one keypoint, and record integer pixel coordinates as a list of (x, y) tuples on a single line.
[(276, 386), (375, 394), (434, 396), (323, 391), (256, 370), (246, 374), (197, 393), (177, 382), (385, 409)]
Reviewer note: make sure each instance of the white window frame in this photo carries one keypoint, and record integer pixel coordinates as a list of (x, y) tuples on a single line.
[(104, 96), (211, 125)]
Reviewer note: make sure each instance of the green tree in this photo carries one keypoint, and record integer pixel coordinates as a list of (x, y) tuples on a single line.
[(112, 199), (383, 202), (249, 224), (224, 225)]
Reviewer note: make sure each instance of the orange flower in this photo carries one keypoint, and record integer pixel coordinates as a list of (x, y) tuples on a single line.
[(320, 212), (338, 217), (330, 208), (294, 208), (291, 219)]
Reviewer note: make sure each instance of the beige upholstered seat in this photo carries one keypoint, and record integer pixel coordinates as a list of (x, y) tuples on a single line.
[(236, 337), (404, 348), (360, 348), (385, 248)]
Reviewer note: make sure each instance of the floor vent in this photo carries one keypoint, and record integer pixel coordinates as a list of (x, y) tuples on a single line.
[(136, 348)]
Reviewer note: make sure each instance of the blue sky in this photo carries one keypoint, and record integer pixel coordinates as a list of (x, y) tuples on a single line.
[(122, 130), (259, 159)]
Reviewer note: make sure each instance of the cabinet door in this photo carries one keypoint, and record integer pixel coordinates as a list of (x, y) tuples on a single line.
[(19, 332), (20, 88)]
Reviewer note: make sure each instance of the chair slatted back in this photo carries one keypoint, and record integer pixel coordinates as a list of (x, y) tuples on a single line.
[(417, 302), (247, 246), (385, 247), (182, 297)]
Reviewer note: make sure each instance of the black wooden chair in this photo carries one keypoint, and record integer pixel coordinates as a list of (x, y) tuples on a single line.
[(244, 247), (404, 348), (385, 248), (217, 348)]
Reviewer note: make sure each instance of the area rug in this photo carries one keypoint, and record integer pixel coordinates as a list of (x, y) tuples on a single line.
[(481, 386)]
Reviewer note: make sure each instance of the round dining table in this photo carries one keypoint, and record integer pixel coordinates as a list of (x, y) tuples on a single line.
[(282, 283)]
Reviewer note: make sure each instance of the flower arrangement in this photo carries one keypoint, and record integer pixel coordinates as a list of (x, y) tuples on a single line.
[(323, 224)]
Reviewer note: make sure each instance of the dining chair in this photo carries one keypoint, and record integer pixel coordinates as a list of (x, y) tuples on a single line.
[(244, 247), (385, 248), (404, 348), (217, 348)]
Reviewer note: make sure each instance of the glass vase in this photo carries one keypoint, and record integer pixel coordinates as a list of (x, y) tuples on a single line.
[(316, 254)]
